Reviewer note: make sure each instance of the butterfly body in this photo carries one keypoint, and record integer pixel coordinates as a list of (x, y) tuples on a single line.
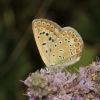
[(58, 46)]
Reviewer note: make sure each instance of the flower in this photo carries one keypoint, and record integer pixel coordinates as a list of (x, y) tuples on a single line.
[(84, 85)]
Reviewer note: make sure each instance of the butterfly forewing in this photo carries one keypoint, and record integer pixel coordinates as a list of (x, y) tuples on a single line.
[(45, 35)]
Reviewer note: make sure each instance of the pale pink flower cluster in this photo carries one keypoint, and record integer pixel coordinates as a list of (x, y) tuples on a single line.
[(85, 85)]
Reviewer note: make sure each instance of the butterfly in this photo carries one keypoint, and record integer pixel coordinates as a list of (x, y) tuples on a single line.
[(59, 47)]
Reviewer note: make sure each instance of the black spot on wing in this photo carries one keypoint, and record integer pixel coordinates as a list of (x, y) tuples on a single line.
[(47, 34), (50, 38), (46, 51), (38, 37), (43, 43)]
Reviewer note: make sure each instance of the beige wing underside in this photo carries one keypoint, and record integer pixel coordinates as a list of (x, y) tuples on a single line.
[(57, 46)]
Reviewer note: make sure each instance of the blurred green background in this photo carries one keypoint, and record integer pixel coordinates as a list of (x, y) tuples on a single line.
[(19, 55)]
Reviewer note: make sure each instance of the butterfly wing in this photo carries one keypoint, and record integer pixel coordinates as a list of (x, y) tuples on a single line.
[(57, 46), (75, 45), (45, 33)]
